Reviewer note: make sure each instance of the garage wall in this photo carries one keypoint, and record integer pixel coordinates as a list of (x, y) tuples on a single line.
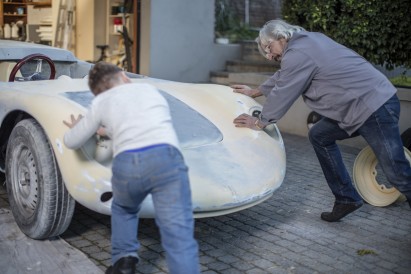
[(91, 16), (177, 41)]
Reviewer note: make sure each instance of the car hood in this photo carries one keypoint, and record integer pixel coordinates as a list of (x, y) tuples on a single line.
[(202, 114), (192, 128)]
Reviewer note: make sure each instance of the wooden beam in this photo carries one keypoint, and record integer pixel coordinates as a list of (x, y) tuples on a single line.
[(135, 54), (42, 4)]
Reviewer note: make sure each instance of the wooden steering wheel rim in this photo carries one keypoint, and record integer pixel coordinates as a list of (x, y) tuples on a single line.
[(29, 58)]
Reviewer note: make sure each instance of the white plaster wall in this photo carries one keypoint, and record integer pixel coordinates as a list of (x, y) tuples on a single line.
[(36, 15), (177, 41)]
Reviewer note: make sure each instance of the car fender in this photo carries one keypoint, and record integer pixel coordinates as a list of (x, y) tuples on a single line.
[(88, 179)]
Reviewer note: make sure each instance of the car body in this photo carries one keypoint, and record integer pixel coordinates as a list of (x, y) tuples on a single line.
[(230, 168)]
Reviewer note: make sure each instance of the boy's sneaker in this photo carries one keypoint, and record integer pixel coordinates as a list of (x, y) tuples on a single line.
[(126, 265)]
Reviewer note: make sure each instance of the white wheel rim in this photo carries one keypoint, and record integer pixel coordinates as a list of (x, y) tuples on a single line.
[(365, 181)]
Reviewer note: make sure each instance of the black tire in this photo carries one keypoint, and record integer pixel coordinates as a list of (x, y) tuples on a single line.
[(41, 204), (312, 119), (406, 138)]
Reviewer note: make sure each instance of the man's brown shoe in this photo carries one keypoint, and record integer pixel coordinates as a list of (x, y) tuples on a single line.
[(339, 211)]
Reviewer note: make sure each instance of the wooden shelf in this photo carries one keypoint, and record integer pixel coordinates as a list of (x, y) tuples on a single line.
[(13, 11), (43, 4), (14, 3), (119, 15), (14, 15)]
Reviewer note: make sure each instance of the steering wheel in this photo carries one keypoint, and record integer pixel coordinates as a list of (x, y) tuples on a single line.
[(37, 56)]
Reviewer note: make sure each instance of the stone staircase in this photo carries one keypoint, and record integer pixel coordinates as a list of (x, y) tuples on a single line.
[(252, 69)]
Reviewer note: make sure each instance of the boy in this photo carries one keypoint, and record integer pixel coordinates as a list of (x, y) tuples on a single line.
[(146, 161)]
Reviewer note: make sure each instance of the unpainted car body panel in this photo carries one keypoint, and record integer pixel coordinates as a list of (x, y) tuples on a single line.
[(12, 50), (230, 168), (224, 175)]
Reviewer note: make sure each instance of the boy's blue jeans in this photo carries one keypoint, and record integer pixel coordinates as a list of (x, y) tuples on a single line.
[(382, 133), (161, 172)]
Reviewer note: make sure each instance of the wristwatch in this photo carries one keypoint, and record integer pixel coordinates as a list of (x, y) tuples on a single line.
[(257, 124)]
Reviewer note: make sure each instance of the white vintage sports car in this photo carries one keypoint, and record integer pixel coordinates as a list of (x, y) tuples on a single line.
[(230, 168)]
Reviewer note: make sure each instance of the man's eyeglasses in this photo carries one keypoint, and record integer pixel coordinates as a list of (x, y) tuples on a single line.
[(267, 48)]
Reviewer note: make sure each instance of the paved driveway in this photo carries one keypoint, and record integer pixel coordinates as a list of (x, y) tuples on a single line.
[(282, 235)]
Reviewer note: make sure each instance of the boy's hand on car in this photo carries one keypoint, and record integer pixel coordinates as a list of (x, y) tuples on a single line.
[(73, 121)]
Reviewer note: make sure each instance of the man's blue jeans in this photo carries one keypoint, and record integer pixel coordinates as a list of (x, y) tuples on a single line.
[(381, 132), (161, 172)]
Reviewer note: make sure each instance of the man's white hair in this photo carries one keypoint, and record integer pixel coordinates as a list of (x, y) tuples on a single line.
[(275, 30)]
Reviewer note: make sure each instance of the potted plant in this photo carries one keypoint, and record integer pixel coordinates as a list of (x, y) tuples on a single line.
[(223, 22)]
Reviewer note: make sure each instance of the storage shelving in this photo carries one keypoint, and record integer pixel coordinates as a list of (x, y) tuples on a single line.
[(13, 11), (115, 20)]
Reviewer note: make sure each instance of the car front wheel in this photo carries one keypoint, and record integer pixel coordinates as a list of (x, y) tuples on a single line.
[(41, 204)]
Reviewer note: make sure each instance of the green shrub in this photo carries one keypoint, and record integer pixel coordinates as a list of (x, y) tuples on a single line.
[(224, 18), (379, 30), (242, 32), (401, 81), (228, 25)]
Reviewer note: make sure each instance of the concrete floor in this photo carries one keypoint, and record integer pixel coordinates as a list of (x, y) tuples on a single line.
[(19, 254)]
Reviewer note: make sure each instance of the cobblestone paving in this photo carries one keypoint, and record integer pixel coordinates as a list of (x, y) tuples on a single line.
[(282, 235)]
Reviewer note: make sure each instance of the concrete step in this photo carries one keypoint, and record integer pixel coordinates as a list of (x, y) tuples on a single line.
[(250, 52), (252, 66), (252, 79), (251, 70), (219, 77)]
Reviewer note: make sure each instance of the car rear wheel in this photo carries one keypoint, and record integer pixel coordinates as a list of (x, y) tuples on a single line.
[(41, 204), (312, 119), (370, 182), (406, 138)]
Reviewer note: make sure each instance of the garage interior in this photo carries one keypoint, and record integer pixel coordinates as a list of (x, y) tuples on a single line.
[(92, 30)]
